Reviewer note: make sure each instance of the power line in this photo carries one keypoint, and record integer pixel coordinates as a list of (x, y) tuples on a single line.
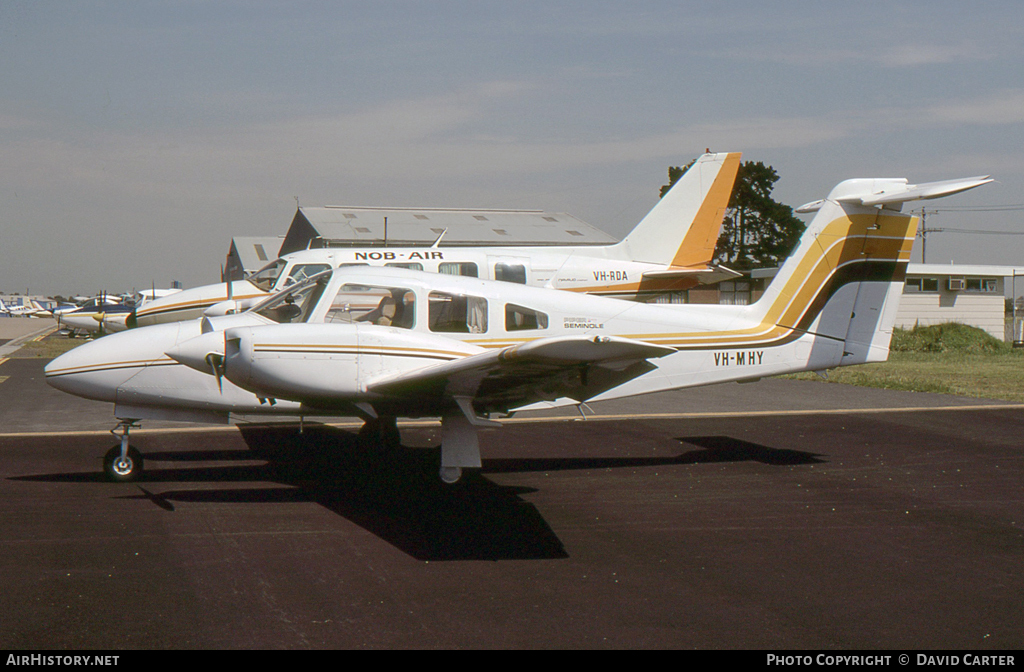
[(979, 208), (981, 231), (924, 230)]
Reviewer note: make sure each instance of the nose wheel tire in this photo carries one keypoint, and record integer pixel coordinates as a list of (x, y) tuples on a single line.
[(122, 469)]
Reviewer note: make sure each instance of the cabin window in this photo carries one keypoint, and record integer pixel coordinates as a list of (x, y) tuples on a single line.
[(518, 318), (457, 313), (413, 266), (294, 306), (510, 273), (304, 271), (266, 277), (466, 268), (384, 306)]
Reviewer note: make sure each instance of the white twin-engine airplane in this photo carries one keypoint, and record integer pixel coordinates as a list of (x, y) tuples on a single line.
[(383, 343), (669, 250)]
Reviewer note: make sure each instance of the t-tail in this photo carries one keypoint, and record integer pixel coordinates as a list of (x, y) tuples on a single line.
[(681, 231), (842, 284)]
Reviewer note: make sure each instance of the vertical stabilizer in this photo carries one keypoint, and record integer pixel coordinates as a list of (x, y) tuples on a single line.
[(843, 282), (681, 231)]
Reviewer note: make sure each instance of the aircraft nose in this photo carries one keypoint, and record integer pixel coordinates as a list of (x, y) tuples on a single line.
[(95, 370), (91, 370)]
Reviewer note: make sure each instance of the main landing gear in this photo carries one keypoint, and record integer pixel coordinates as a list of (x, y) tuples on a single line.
[(460, 444), (123, 463), (380, 432)]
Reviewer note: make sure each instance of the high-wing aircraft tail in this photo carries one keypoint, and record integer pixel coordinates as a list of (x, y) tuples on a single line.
[(681, 231), (843, 282)]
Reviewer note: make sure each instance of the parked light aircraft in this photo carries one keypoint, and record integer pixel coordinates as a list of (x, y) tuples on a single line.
[(382, 343), (669, 250), (30, 309), (105, 314)]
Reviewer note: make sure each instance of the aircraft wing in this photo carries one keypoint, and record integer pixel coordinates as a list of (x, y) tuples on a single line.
[(578, 367)]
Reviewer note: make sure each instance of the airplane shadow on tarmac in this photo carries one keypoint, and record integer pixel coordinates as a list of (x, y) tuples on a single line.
[(395, 493)]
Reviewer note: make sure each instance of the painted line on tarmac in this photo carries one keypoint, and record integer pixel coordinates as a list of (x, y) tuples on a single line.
[(597, 417), (13, 346)]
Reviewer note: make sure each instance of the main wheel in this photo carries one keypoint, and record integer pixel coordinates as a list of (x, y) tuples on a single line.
[(450, 475), (380, 433), (122, 469)]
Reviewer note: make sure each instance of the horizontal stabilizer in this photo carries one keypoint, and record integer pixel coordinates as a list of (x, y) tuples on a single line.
[(894, 191), (704, 276)]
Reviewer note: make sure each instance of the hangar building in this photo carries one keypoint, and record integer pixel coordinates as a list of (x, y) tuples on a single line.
[(348, 226), (248, 254)]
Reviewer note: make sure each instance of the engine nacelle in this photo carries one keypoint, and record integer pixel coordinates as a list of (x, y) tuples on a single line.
[(231, 306), (335, 362)]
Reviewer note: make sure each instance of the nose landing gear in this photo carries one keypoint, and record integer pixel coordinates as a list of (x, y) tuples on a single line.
[(123, 463)]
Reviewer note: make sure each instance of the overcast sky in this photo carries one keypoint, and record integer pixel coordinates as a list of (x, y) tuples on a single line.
[(136, 138)]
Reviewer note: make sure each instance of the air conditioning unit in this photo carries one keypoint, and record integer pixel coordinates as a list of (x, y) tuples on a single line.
[(957, 284)]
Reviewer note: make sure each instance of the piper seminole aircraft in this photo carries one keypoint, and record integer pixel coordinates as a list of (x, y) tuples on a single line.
[(383, 343), (669, 250)]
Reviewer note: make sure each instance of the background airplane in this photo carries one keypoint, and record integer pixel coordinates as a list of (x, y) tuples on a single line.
[(106, 314), (383, 343), (30, 309), (669, 250)]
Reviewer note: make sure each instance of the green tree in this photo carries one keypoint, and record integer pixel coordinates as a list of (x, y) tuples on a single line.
[(758, 232)]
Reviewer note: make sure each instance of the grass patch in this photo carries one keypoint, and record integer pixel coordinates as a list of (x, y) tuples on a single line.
[(52, 346), (945, 358)]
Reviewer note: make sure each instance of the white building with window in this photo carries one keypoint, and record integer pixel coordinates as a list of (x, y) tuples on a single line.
[(968, 294), (932, 293)]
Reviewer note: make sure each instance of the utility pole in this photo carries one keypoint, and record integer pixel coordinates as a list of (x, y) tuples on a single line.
[(924, 236)]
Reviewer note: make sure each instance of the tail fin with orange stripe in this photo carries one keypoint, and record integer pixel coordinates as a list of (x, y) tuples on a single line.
[(681, 231)]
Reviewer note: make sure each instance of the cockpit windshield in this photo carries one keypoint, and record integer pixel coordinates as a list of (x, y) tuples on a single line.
[(266, 277), (297, 303)]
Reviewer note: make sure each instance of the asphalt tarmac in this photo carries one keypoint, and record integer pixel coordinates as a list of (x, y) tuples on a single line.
[(776, 515)]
